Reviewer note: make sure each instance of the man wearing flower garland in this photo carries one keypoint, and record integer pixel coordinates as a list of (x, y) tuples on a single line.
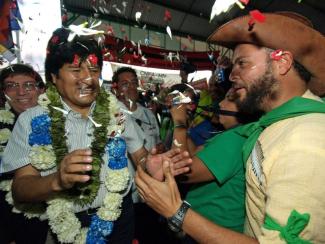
[(21, 86), (278, 68), (71, 150)]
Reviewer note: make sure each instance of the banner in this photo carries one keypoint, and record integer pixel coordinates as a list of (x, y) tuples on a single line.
[(152, 76)]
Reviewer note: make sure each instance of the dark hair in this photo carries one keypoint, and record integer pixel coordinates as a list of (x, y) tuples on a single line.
[(303, 73), (61, 51), (20, 69), (187, 67), (122, 70)]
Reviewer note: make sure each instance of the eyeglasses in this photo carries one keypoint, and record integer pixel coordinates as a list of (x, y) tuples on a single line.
[(128, 83), (27, 86)]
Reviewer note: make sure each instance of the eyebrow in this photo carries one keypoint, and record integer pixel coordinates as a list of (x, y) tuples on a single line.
[(238, 58)]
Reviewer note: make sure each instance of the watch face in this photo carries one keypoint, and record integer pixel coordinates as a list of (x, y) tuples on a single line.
[(176, 221)]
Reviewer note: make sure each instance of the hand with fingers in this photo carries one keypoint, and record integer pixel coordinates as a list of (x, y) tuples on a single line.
[(180, 162), (163, 197), (73, 168)]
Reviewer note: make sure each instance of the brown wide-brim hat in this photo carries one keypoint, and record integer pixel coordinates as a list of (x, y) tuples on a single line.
[(286, 31)]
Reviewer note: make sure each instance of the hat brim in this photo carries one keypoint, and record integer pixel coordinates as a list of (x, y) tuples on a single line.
[(280, 31)]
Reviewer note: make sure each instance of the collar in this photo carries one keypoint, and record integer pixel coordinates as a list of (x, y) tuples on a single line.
[(67, 108)]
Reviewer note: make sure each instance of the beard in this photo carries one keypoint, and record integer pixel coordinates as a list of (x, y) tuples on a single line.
[(261, 89)]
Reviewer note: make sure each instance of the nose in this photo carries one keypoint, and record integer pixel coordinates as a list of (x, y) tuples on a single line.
[(234, 74), (86, 77), (21, 91)]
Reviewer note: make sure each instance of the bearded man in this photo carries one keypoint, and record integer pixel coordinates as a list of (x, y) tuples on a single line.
[(278, 68)]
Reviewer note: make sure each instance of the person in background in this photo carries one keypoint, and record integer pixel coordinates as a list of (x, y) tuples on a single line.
[(126, 85), (217, 173), (275, 70), (21, 85), (186, 68)]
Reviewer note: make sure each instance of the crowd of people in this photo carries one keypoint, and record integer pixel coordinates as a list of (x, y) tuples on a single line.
[(240, 162)]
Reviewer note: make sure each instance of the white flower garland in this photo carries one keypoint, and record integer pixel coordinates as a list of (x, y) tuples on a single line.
[(6, 117), (62, 219), (29, 210)]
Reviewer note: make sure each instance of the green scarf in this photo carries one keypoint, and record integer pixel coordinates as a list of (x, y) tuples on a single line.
[(290, 232), (295, 107)]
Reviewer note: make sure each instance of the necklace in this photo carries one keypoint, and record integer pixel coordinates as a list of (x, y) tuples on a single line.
[(48, 150)]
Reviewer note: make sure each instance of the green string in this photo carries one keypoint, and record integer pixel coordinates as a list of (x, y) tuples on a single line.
[(295, 225)]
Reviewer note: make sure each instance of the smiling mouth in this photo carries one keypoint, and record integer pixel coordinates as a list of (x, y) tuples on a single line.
[(86, 91), (24, 100)]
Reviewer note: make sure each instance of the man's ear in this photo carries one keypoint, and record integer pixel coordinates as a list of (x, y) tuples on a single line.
[(285, 63)]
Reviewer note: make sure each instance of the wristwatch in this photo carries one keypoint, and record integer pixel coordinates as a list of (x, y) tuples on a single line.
[(175, 222)]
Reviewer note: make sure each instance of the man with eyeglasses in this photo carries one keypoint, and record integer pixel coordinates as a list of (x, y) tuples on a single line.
[(20, 87)]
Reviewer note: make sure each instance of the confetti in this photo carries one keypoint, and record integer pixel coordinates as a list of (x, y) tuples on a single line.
[(168, 16), (169, 32), (93, 59), (76, 60), (81, 30), (176, 143), (244, 1), (240, 5), (220, 6), (138, 16), (256, 15), (93, 121), (147, 41), (139, 48), (276, 55), (110, 30)]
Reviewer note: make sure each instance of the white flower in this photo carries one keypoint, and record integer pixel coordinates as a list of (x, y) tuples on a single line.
[(5, 185), (7, 117), (62, 220), (111, 209), (43, 101), (7, 106), (42, 157), (108, 215), (4, 135), (9, 198), (112, 201), (81, 237), (113, 107), (117, 180)]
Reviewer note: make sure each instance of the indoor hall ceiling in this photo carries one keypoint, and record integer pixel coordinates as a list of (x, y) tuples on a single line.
[(188, 17)]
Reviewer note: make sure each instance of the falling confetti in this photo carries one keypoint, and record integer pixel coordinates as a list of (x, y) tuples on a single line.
[(276, 55), (256, 15), (176, 143), (244, 1), (110, 30), (147, 41), (220, 6), (169, 32), (81, 30), (138, 16), (168, 16)]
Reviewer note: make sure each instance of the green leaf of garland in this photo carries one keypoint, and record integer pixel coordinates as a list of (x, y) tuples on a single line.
[(82, 193)]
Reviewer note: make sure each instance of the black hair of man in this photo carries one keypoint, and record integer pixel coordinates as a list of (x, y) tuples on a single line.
[(60, 51), (123, 70)]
